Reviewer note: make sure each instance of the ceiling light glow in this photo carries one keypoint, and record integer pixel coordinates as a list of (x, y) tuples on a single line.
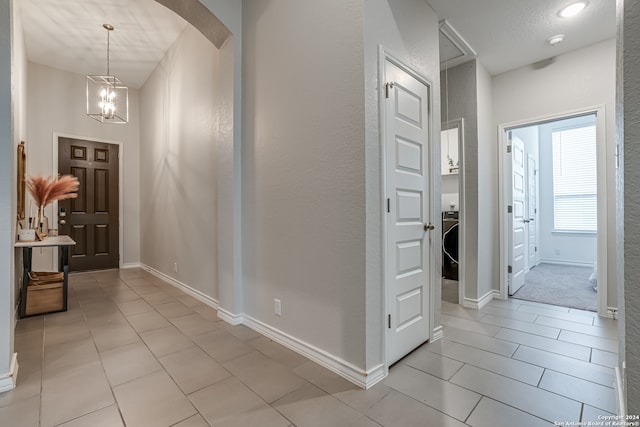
[(572, 10)]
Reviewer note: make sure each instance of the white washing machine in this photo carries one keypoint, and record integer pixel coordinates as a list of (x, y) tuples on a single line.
[(450, 229)]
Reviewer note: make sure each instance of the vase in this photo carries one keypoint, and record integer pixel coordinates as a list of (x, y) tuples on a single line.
[(41, 224)]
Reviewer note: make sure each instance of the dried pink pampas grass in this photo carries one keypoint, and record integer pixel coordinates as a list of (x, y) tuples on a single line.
[(48, 190)]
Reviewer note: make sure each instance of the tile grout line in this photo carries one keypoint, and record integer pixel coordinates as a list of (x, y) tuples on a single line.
[(499, 401), (157, 357), (564, 373), (431, 407), (482, 396), (541, 377), (84, 314), (187, 396), (41, 374), (153, 355), (87, 297)]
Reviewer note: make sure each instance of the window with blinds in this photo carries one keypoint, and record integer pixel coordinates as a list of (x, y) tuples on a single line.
[(575, 179)]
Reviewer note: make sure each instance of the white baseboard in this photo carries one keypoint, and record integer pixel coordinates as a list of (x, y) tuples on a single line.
[(227, 316), (361, 378), (374, 376), (131, 265), (200, 296), (350, 372), (438, 333), (8, 380), (611, 313), (566, 262), (482, 301), (230, 318)]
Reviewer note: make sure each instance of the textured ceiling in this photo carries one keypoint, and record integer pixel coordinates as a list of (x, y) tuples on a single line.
[(508, 34), (68, 34)]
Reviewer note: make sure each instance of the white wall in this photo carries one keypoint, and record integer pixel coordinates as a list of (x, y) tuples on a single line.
[(558, 247), (20, 65), (303, 175), (178, 175), (57, 104), (577, 80), (312, 203), (450, 192), (469, 97), (407, 29), (459, 97), (629, 94), (488, 241), (8, 147), (229, 167), (620, 204)]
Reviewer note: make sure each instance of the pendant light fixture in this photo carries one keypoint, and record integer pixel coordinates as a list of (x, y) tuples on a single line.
[(107, 96)]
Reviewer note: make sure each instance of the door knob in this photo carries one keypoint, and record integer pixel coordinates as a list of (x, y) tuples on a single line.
[(429, 227)]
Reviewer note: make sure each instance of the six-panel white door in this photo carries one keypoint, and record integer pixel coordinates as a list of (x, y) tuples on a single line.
[(518, 190), (532, 213), (407, 190)]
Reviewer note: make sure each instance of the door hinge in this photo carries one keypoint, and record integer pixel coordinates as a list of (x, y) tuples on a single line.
[(509, 209), (389, 321), (387, 89), (535, 249), (508, 149), (388, 205), (510, 269)]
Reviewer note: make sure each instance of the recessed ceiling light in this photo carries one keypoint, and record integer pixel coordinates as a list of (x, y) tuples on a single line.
[(572, 10), (554, 40)]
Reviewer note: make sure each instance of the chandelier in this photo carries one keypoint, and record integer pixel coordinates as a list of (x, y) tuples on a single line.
[(107, 96)]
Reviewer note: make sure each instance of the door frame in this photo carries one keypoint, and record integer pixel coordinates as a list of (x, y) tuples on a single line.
[(459, 123), (435, 237), (602, 236), (54, 216)]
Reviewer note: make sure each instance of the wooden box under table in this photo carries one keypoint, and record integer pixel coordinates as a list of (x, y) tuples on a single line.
[(45, 292), (45, 298)]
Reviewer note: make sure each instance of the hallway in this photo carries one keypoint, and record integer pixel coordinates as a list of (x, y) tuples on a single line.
[(135, 351)]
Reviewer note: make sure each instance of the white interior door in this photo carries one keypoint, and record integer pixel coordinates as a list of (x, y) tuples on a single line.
[(532, 212), (518, 247), (408, 199)]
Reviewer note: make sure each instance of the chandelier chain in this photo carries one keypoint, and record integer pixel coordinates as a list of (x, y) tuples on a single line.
[(108, 52)]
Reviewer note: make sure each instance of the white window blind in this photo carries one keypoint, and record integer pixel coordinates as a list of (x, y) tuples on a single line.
[(575, 179)]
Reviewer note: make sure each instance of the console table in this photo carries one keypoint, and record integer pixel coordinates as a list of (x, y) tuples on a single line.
[(63, 242)]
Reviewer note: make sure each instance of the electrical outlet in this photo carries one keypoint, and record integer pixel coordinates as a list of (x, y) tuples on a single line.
[(277, 307), (175, 267), (557, 251)]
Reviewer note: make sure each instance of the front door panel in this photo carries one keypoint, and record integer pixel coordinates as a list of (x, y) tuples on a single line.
[(92, 218)]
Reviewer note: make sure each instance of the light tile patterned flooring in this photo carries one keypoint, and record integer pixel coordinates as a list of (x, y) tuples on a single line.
[(135, 351)]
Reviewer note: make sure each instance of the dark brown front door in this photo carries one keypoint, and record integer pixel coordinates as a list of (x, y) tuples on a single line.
[(91, 219)]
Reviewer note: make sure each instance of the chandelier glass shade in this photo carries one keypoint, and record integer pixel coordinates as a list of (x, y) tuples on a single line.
[(107, 96)]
